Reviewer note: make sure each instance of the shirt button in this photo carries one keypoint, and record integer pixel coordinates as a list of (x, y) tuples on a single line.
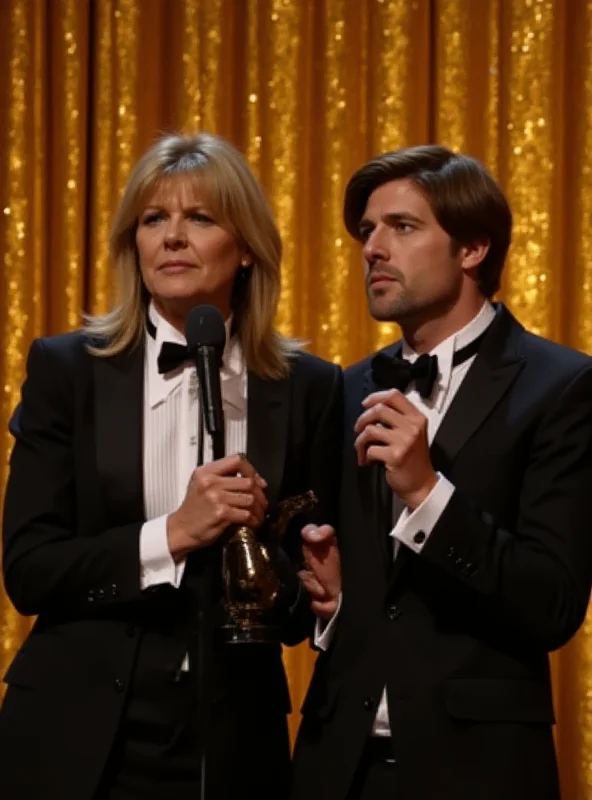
[(193, 441), (419, 537), (119, 685), (393, 612)]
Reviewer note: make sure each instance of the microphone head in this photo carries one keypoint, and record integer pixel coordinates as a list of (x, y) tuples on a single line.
[(204, 326)]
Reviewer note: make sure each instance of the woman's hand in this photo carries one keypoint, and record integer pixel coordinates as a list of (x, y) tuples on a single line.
[(225, 492)]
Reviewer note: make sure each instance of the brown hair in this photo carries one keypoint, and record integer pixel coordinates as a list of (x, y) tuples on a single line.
[(216, 167), (464, 197)]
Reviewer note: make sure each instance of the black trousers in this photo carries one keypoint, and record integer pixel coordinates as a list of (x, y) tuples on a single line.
[(376, 776), (155, 754)]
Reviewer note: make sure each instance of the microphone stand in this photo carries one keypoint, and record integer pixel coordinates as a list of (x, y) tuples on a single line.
[(205, 590)]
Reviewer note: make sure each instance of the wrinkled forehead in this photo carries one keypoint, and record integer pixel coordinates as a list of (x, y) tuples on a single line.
[(189, 189)]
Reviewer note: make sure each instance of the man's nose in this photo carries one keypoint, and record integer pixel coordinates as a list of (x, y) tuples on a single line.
[(374, 248)]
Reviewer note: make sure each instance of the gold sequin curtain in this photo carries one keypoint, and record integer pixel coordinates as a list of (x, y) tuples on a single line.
[(308, 89)]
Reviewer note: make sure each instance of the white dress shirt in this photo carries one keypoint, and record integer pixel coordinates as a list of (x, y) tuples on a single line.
[(425, 516), (171, 420)]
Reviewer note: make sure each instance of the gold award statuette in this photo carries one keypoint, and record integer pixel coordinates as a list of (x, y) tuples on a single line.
[(251, 584)]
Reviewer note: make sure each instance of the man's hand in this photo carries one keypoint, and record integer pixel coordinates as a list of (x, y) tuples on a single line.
[(392, 431), (225, 492), (322, 578)]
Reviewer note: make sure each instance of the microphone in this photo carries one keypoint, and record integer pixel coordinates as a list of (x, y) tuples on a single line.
[(206, 336)]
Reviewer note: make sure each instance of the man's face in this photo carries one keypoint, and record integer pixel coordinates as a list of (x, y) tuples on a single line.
[(412, 271)]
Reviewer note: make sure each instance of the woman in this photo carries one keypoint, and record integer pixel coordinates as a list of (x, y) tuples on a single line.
[(108, 523)]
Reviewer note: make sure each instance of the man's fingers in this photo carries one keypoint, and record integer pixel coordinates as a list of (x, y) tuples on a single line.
[(393, 398), (312, 585), (318, 534)]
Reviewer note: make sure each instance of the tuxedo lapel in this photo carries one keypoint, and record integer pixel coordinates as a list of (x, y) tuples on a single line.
[(268, 420), (491, 375), (118, 391)]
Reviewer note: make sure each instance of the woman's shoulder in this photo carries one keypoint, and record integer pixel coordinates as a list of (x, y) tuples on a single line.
[(64, 346), (303, 362)]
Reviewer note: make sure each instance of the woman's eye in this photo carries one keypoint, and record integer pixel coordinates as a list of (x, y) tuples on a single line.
[(199, 216), (151, 219)]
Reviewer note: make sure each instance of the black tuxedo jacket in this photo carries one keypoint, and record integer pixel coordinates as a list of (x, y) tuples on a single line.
[(73, 513), (460, 633)]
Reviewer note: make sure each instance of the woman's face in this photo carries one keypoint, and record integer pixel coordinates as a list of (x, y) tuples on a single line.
[(186, 256)]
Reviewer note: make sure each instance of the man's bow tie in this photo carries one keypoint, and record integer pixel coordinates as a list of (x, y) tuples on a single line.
[(398, 373), (391, 372)]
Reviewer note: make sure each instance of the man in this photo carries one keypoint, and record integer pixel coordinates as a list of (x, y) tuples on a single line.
[(465, 529)]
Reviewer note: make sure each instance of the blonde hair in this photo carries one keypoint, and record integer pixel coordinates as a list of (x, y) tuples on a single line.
[(235, 198)]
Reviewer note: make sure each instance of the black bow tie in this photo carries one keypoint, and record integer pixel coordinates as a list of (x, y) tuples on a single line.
[(171, 355), (398, 373), (391, 372)]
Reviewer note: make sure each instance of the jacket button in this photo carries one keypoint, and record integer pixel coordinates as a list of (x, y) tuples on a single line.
[(119, 685), (459, 562), (393, 612), (101, 594), (91, 596), (114, 590), (469, 569), (131, 630), (451, 552), (368, 703), (419, 537)]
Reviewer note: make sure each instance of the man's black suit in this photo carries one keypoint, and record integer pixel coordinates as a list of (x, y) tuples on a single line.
[(460, 633), (102, 653)]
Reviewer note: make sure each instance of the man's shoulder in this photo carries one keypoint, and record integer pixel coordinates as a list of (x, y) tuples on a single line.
[(356, 373), (543, 353)]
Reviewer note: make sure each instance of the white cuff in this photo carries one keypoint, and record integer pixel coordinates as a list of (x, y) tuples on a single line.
[(413, 530), (156, 563), (324, 630)]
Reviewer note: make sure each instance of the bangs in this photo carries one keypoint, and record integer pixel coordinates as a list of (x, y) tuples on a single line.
[(196, 186)]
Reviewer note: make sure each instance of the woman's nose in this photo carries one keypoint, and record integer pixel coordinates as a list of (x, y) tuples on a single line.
[(175, 235)]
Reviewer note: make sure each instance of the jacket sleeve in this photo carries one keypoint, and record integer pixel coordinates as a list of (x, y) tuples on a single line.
[(48, 566), (535, 579), (324, 468)]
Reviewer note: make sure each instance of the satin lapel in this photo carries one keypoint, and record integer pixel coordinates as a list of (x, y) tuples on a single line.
[(268, 421), (119, 391), (490, 376)]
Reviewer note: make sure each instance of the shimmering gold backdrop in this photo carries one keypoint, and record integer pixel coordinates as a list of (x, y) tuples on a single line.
[(308, 89)]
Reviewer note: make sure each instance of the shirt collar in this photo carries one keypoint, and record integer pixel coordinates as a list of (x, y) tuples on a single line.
[(446, 350), (160, 386)]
